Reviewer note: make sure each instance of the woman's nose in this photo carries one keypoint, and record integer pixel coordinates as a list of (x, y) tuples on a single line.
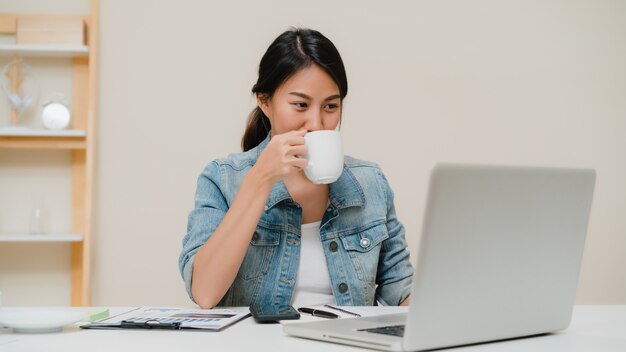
[(314, 122)]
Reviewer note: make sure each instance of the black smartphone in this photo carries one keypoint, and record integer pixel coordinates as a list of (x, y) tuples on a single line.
[(272, 314)]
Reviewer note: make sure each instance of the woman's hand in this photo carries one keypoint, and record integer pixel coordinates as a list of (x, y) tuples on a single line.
[(282, 156)]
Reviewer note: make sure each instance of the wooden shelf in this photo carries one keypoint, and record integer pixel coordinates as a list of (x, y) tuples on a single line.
[(42, 139), (47, 50), (41, 238), (62, 143), (27, 132)]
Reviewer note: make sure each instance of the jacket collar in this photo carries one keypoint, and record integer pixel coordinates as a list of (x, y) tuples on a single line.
[(343, 193)]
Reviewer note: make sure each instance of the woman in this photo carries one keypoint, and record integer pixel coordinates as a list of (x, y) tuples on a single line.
[(262, 233)]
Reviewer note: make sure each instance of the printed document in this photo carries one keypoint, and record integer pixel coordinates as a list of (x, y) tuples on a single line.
[(172, 318)]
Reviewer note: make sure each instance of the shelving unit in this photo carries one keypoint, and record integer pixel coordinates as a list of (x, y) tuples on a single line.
[(80, 141)]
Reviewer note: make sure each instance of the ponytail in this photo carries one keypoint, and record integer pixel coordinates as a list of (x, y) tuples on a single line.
[(257, 128)]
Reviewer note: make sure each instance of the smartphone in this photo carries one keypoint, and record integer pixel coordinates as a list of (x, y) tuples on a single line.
[(272, 314)]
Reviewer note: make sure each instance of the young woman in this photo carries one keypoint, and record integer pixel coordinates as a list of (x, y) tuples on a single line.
[(262, 233)]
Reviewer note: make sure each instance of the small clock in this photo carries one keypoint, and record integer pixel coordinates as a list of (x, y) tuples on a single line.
[(56, 115)]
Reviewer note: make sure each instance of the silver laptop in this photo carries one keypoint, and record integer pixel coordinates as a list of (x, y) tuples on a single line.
[(499, 258)]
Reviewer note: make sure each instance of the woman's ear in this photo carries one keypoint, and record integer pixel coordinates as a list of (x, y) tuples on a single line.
[(263, 102)]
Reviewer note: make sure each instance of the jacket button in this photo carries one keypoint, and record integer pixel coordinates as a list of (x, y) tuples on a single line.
[(343, 287), (365, 242), (255, 237), (333, 246)]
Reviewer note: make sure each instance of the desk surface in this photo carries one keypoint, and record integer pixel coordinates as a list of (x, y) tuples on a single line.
[(593, 328)]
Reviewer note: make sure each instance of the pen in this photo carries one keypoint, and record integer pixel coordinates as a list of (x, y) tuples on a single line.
[(318, 313), (342, 310)]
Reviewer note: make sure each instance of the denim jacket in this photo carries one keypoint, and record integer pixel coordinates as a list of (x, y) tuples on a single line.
[(363, 241)]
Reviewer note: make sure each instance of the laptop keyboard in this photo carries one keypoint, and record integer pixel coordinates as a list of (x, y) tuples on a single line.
[(395, 330)]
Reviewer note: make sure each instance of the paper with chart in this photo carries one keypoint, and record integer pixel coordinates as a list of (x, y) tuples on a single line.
[(173, 318)]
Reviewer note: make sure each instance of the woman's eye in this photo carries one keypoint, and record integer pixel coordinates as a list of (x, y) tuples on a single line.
[(300, 105), (331, 106)]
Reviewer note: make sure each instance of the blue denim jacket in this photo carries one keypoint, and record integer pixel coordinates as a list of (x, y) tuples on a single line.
[(363, 241)]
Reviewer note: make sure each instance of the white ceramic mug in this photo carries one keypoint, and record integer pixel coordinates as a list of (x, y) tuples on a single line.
[(325, 156)]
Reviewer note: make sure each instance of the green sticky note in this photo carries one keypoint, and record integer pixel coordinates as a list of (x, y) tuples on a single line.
[(98, 314)]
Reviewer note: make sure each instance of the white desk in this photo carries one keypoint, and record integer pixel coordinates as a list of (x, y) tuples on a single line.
[(593, 328)]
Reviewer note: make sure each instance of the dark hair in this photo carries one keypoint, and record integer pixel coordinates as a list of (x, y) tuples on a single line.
[(292, 51)]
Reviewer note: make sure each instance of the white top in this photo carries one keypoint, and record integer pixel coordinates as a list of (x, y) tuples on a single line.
[(313, 285)]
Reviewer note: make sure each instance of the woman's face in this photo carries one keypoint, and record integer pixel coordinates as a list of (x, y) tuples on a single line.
[(307, 100)]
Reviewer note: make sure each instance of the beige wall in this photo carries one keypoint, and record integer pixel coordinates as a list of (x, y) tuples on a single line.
[(505, 82)]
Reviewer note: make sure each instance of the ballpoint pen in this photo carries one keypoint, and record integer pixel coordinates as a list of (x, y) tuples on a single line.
[(318, 313), (342, 310)]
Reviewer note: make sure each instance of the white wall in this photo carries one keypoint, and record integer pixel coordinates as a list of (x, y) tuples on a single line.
[(530, 82)]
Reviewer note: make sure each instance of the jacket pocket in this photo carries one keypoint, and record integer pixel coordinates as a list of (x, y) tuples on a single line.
[(263, 245), (363, 247)]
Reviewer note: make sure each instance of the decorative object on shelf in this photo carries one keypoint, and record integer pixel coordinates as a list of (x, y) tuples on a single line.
[(35, 217), (56, 114), (20, 87)]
